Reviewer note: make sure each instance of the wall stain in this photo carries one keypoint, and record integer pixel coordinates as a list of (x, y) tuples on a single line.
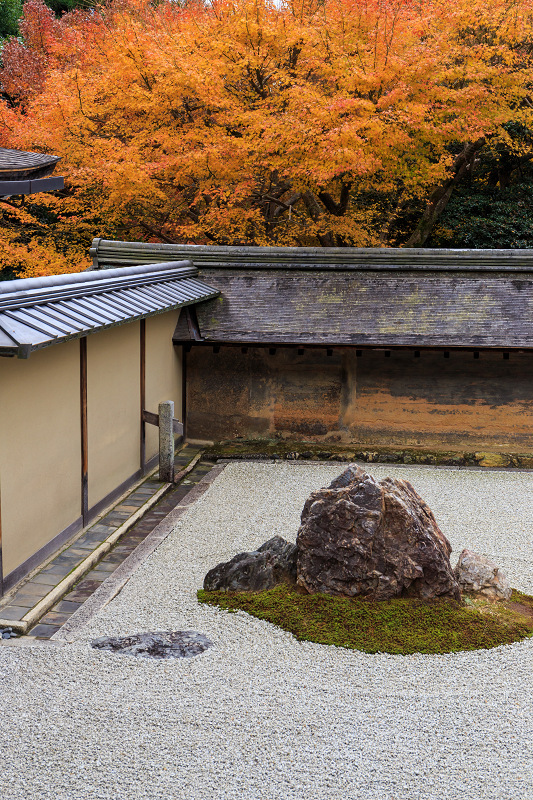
[(401, 400)]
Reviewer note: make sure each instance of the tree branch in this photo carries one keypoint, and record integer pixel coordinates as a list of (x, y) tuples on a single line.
[(153, 231), (337, 209), (315, 212), (441, 195)]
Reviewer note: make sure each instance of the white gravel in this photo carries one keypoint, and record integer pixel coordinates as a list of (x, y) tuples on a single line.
[(260, 716)]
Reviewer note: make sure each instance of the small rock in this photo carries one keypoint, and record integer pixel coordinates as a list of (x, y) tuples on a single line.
[(262, 569), (477, 574)]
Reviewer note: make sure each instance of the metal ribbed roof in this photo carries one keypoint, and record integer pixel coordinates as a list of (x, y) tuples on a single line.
[(37, 312)]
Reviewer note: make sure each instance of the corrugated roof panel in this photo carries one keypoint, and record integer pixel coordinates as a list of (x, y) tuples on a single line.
[(128, 306), (84, 313), (37, 312), (48, 321), (146, 299), (23, 318), (91, 309), (51, 316), (160, 295), (65, 316)]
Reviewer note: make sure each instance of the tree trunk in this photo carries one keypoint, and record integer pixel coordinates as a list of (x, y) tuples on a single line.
[(441, 195)]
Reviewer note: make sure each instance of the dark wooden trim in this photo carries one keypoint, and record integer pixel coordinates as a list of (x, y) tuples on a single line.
[(143, 394), (192, 323), (367, 348), (1, 563), (37, 558), (184, 352), (150, 417), (83, 427)]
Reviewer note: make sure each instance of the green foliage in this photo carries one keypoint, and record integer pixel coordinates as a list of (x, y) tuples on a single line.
[(10, 11), (487, 217), (493, 205), (63, 6), (401, 626)]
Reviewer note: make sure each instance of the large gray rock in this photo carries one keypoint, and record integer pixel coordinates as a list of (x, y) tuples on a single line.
[(373, 538), (477, 574), (262, 569)]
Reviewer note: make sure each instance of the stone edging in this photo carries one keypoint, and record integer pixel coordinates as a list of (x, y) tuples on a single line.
[(486, 459), (117, 580), (50, 599)]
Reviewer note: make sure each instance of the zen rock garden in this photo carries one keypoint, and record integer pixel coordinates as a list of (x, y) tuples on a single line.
[(363, 537), (370, 543)]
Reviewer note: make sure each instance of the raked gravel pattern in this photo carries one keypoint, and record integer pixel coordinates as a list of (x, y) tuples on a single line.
[(260, 716)]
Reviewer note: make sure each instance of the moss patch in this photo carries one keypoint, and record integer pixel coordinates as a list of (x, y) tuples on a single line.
[(401, 626), (330, 451)]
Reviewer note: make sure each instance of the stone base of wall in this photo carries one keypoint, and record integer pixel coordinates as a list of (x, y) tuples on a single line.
[(305, 451)]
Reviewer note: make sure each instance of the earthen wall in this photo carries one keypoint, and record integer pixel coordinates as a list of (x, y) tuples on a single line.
[(432, 399)]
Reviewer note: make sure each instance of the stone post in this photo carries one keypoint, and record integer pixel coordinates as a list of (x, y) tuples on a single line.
[(166, 441)]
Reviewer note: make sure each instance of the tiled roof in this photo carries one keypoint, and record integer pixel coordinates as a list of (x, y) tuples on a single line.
[(108, 253), (369, 308), (377, 297), (16, 164), (37, 312)]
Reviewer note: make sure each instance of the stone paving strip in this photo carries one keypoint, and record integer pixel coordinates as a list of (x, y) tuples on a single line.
[(44, 602), (114, 582)]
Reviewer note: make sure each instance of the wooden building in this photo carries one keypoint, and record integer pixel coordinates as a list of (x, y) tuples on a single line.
[(24, 173), (375, 347), (83, 357)]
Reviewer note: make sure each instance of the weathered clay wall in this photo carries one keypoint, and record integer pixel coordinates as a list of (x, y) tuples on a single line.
[(456, 402), (256, 394), (459, 402)]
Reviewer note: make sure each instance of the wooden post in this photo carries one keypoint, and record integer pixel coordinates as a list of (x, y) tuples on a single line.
[(184, 389), (83, 426), (143, 394), (166, 441), (1, 564)]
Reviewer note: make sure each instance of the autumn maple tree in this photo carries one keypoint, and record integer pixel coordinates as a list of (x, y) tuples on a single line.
[(334, 123)]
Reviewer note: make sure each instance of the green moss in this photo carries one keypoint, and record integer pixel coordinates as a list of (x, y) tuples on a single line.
[(401, 626), (333, 451)]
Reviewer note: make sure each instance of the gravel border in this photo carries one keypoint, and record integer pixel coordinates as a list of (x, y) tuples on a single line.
[(116, 581), (260, 716)]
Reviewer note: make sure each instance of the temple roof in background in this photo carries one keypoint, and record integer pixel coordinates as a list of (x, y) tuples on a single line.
[(27, 173)]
